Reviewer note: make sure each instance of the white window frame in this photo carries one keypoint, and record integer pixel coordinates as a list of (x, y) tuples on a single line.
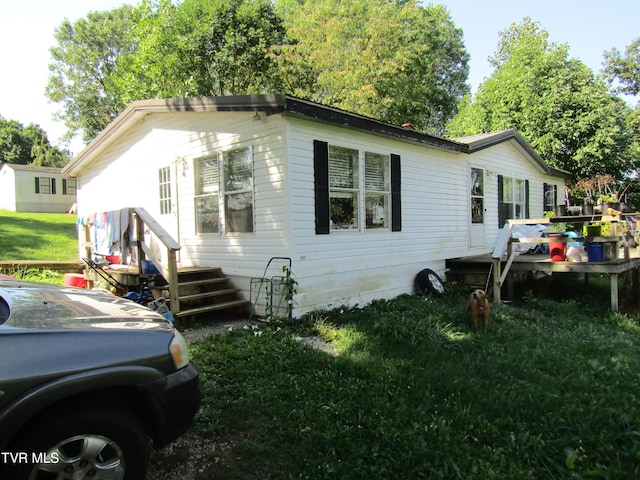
[(370, 203), (214, 201), (514, 194), (164, 190)]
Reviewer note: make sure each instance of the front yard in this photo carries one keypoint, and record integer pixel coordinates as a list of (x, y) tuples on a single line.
[(402, 389), (407, 392)]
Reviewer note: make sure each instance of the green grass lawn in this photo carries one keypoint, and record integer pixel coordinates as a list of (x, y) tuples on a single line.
[(550, 393), (38, 236)]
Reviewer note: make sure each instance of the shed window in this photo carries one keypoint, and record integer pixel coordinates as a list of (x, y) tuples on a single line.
[(377, 189), (343, 188), (69, 186), (207, 175), (45, 186), (238, 190), (550, 193)]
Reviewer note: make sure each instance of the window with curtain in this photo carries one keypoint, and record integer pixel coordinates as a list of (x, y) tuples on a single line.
[(238, 190), (224, 188), (377, 190), (207, 189), (343, 188)]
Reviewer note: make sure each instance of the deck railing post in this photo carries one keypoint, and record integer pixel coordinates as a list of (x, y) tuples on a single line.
[(497, 267)]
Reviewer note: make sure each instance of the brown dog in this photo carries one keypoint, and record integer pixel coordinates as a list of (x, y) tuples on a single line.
[(479, 305)]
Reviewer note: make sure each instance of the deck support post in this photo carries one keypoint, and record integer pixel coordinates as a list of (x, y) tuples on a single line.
[(497, 274), (614, 292)]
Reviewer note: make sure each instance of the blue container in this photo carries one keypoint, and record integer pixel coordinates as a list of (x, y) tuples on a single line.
[(595, 252), (572, 235), (148, 268)]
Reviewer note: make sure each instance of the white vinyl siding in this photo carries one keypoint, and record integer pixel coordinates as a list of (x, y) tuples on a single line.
[(331, 270)]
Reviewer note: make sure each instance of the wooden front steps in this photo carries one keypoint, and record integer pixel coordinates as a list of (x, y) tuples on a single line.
[(204, 294)]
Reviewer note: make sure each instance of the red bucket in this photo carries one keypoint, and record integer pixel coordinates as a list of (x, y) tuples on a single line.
[(557, 250), (113, 259), (75, 280)]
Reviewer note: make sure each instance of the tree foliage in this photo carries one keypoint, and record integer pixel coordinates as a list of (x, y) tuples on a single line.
[(395, 61), (28, 145), (83, 74), (624, 68), (200, 48), (159, 50), (555, 102)]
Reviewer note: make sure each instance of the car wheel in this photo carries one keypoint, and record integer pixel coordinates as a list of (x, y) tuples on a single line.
[(429, 282), (100, 443)]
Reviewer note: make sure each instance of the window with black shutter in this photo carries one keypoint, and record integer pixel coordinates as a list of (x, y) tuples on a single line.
[(356, 190)]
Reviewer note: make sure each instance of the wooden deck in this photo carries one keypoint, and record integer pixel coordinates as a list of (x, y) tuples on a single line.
[(543, 263)]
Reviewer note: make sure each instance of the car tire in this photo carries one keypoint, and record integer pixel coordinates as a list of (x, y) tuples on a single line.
[(430, 283), (107, 441)]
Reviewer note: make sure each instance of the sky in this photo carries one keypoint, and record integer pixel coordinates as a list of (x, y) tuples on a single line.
[(589, 27)]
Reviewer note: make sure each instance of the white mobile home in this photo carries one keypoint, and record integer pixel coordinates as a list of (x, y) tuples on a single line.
[(358, 205), (26, 188)]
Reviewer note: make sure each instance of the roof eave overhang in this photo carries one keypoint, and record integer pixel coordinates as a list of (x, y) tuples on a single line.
[(138, 110), (334, 116), (269, 104), (522, 145)]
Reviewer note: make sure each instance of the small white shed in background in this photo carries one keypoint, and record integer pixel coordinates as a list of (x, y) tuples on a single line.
[(26, 188)]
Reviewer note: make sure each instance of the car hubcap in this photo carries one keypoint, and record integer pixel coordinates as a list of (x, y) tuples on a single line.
[(82, 457), (437, 284)]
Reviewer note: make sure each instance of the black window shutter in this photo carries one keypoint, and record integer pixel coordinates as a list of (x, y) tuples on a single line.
[(64, 186), (321, 178), (37, 184), (53, 186), (396, 200), (555, 195), (501, 219), (526, 199)]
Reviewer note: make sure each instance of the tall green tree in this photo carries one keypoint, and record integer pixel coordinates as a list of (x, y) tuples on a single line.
[(554, 101), (83, 74), (393, 60), (200, 48), (28, 145), (160, 49)]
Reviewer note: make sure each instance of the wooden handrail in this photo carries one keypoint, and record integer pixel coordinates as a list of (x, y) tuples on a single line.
[(141, 219)]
